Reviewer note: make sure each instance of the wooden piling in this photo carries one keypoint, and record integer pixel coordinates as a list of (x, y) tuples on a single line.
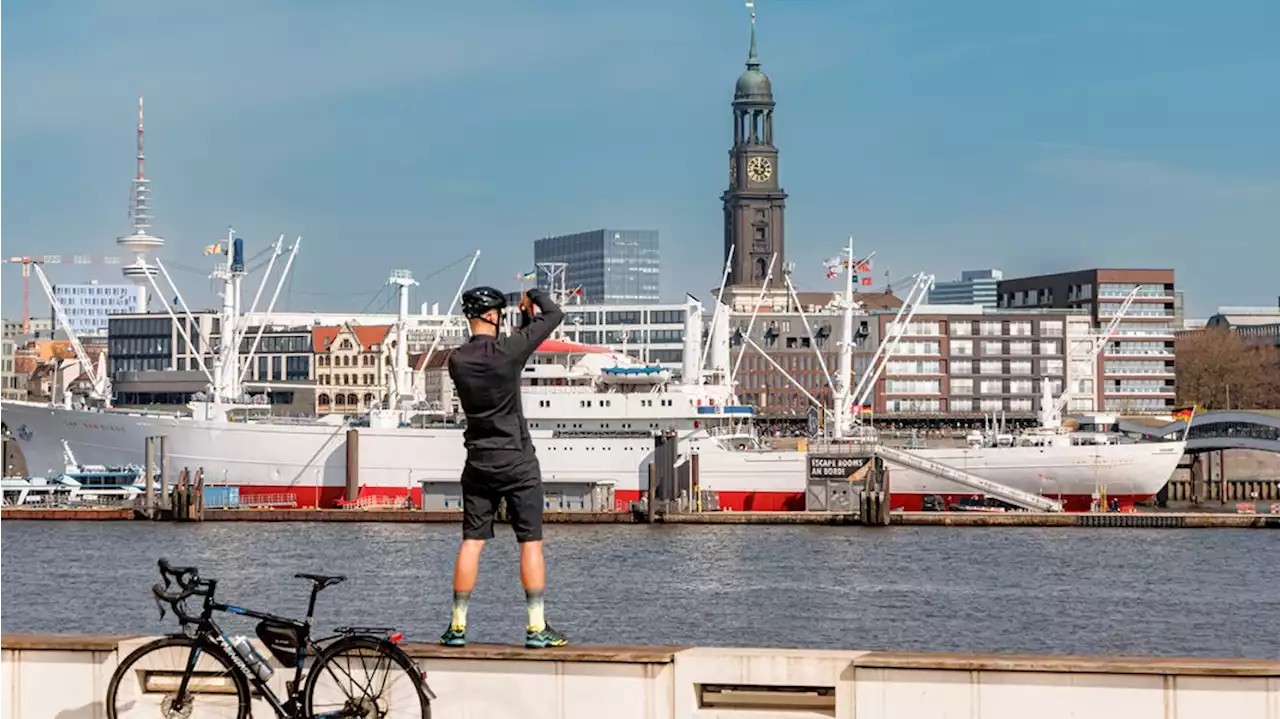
[(353, 467)]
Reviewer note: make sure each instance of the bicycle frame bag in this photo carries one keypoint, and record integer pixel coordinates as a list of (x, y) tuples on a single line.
[(283, 640)]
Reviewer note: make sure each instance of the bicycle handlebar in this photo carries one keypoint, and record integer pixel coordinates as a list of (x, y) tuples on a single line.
[(189, 584), (185, 576)]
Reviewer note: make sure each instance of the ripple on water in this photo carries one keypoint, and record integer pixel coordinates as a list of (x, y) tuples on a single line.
[(1058, 590)]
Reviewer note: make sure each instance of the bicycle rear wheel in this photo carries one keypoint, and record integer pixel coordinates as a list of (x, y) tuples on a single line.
[(145, 684), (365, 676)]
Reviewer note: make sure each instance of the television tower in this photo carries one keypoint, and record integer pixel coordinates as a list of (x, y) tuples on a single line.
[(140, 242)]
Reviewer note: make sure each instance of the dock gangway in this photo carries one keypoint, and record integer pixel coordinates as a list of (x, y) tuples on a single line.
[(1002, 492)]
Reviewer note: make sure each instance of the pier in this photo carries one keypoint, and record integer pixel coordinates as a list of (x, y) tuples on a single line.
[(49, 676)]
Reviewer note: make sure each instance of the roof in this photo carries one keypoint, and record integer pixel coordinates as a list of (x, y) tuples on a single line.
[(560, 346), (366, 335), (439, 359), (869, 300)]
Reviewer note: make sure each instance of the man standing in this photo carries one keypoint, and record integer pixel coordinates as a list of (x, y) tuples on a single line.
[(501, 463)]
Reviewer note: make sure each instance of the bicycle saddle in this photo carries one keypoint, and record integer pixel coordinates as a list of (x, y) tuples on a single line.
[(322, 580)]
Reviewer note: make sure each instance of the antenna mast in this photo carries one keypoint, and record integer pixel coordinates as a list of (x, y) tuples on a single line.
[(140, 242)]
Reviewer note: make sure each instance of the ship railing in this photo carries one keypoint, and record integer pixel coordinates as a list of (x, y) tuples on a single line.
[(279, 499)]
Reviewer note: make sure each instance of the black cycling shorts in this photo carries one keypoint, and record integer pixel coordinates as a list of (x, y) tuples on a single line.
[(521, 487)]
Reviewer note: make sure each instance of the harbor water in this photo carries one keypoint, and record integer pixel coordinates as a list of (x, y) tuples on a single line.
[(1031, 590)]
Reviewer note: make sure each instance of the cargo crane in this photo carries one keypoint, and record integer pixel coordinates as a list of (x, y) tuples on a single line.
[(28, 261)]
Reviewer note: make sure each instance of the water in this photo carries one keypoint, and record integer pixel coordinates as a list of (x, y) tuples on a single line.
[(1037, 590)]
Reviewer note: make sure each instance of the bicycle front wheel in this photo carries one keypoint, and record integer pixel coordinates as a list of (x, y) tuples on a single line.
[(365, 676), (146, 683)]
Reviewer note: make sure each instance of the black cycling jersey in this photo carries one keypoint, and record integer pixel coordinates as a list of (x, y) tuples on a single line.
[(486, 372)]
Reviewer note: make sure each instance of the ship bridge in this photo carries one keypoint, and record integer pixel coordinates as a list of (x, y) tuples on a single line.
[(1229, 429)]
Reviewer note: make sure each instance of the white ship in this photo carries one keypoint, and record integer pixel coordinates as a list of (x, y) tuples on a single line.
[(592, 413)]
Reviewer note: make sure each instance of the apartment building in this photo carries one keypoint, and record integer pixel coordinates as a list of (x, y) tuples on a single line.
[(1137, 365), (966, 360)]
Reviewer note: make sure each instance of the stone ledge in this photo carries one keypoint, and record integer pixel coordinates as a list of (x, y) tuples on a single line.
[(63, 642), (571, 653), (1073, 664)]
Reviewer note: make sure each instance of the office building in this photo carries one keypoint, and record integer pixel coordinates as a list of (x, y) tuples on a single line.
[(965, 360), (88, 306), (975, 287), (610, 266), (9, 385), (1138, 365)]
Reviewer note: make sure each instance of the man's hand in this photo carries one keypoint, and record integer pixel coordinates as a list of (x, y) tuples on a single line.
[(527, 306)]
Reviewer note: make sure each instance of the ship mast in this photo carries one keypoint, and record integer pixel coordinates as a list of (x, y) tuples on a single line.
[(401, 388), (844, 366), (227, 383)]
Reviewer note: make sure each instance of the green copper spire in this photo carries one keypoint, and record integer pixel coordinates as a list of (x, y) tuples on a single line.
[(753, 62)]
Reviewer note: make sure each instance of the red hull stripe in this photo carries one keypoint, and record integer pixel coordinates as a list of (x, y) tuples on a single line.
[(745, 501)]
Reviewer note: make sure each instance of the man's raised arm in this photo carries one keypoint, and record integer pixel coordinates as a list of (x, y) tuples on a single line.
[(524, 342)]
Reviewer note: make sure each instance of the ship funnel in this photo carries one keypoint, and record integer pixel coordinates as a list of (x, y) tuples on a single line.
[(690, 369), (237, 255)]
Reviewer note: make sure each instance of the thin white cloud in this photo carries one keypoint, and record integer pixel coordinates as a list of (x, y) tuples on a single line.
[(1094, 166)]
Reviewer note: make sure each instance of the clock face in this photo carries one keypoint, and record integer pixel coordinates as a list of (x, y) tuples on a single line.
[(759, 169)]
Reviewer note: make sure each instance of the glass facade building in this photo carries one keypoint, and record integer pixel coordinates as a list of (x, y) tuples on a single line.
[(88, 306), (611, 266), (975, 287)]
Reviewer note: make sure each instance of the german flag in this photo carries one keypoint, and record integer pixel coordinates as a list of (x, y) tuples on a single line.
[(1184, 414)]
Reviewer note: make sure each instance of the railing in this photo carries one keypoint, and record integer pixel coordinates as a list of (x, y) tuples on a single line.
[(284, 499)]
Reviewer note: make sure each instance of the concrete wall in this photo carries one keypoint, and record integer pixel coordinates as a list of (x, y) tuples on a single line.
[(66, 677)]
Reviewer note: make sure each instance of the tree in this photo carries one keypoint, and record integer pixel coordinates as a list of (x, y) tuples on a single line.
[(1218, 370)]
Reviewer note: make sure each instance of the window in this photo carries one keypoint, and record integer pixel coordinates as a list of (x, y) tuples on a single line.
[(927, 329), (962, 348), (1051, 367), (962, 367), (1019, 405), (1020, 386), (992, 329), (912, 386), (1020, 367), (1020, 329), (899, 367), (1021, 348), (962, 386), (991, 367), (1049, 347), (992, 386), (992, 349), (1051, 328), (297, 368), (961, 329)]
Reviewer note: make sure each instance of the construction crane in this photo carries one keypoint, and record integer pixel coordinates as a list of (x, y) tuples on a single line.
[(27, 262)]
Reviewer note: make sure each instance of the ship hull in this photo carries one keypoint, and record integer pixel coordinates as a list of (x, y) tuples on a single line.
[(309, 461)]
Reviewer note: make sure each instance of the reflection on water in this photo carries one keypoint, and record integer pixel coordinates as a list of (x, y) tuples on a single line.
[(1060, 590)]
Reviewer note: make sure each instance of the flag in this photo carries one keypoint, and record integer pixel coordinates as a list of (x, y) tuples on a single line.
[(866, 281), (864, 266), (530, 275), (1183, 414), (576, 291), (215, 249)]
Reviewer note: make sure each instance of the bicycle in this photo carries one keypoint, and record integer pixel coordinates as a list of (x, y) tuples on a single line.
[(210, 670)]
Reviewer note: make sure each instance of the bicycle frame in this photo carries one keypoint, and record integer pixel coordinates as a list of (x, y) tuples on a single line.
[(209, 630)]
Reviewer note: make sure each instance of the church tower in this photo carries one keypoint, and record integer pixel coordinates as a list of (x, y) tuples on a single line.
[(754, 202)]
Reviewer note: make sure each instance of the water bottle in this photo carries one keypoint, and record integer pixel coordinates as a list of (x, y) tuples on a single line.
[(252, 657)]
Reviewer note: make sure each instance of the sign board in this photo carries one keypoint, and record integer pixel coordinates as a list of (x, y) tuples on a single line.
[(813, 421), (835, 467)]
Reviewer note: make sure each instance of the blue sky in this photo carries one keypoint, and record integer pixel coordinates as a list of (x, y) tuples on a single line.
[(1033, 137)]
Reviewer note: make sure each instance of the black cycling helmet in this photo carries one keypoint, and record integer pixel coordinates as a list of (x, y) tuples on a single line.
[(479, 300)]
